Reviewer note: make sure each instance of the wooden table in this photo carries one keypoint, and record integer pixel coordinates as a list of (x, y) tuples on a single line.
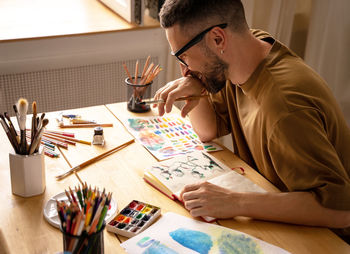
[(23, 228)]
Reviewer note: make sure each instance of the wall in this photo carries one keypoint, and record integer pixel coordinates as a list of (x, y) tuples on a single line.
[(76, 71)]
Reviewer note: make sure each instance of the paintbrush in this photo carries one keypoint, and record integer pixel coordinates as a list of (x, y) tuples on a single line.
[(12, 139), (22, 106), (40, 121), (12, 129), (33, 120), (188, 98), (34, 145), (92, 160)]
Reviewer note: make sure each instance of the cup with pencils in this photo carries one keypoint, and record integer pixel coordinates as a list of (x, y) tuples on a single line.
[(83, 219), (138, 86), (27, 167)]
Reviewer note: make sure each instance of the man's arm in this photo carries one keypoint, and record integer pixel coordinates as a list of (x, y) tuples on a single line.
[(206, 199)]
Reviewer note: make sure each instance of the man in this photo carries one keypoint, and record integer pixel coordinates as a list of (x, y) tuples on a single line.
[(283, 119)]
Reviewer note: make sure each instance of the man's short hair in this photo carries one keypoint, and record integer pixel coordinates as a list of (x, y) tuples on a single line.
[(194, 12)]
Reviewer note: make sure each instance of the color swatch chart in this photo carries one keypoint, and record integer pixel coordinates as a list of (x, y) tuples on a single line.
[(167, 136), (134, 218)]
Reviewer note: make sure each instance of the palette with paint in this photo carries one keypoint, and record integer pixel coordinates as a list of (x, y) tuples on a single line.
[(133, 219)]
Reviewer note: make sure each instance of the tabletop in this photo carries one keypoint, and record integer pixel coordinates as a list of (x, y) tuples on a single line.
[(23, 228)]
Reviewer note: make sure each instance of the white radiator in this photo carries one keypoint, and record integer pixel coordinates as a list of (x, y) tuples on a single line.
[(72, 87)]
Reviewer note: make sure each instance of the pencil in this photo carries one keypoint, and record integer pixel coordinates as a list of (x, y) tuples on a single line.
[(62, 125), (136, 71), (127, 72), (145, 67), (67, 134), (59, 139), (142, 82)]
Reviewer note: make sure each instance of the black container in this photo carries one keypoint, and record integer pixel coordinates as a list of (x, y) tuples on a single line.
[(84, 243), (136, 93)]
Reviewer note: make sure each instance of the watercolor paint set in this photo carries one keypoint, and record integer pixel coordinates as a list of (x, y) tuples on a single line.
[(133, 219)]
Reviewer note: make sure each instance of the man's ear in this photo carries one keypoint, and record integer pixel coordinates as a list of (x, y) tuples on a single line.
[(218, 38)]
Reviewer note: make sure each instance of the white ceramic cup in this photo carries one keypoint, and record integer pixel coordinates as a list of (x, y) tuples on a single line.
[(27, 174)]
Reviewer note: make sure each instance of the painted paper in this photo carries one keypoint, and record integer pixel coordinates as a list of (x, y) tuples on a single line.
[(187, 169), (174, 233), (167, 136)]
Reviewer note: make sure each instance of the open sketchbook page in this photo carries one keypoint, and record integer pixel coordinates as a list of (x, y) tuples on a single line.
[(171, 176), (187, 169), (199, 167), (166, 136), (174, 233)]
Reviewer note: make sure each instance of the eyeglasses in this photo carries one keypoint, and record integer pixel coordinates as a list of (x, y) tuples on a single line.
[(193, 42)]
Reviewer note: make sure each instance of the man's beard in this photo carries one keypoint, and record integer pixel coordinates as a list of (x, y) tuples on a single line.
[(213, 78)]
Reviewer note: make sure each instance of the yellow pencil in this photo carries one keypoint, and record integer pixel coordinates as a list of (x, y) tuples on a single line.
[(136, 71), (145, 67), (127, 72)]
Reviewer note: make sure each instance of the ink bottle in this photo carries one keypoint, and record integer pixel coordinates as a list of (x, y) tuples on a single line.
[(98, 138)]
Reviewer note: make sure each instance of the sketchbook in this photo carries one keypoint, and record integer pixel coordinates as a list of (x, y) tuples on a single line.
[(174, 233), (167, 136), (170, 176)]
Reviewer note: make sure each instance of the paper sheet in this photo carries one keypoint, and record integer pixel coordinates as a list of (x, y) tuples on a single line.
[(167, 136), (174, 233)]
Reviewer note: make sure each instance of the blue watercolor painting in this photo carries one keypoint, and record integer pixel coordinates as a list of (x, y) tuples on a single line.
[(176, 234), (193, 239)]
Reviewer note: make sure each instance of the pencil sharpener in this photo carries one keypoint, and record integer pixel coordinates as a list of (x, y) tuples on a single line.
[(98, 138)]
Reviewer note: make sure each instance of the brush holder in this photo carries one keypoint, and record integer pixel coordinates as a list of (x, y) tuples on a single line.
[(27, 174), (136, 93)]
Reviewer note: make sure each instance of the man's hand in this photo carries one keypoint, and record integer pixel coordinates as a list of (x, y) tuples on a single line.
[(185, 86), (206, 199)]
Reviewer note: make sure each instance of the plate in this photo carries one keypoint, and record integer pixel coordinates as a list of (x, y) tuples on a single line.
[(51, 215)]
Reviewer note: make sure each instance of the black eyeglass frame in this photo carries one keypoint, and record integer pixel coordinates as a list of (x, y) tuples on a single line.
[(193, 42)]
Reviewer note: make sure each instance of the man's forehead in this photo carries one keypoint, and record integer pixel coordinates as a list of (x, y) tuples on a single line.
[(176, 37)]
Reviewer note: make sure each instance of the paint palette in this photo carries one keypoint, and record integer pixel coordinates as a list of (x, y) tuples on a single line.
[(133, 219), (167, 136)]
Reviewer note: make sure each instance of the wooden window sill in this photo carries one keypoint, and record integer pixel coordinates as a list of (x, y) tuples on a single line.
[(23, 19)]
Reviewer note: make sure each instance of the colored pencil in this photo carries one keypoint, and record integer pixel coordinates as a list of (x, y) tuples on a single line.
[(66, 138), (136, 71), (127, 73), (66, 134), (145, 67), (62, 125)]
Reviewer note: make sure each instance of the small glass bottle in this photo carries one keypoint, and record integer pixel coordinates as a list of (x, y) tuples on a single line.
[(98, 136)]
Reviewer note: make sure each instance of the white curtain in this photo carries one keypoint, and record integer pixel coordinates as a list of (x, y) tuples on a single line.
[(273, 16), (327, 49)]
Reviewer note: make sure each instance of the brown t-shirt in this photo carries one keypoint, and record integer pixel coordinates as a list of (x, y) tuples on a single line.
[(286, 123)]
